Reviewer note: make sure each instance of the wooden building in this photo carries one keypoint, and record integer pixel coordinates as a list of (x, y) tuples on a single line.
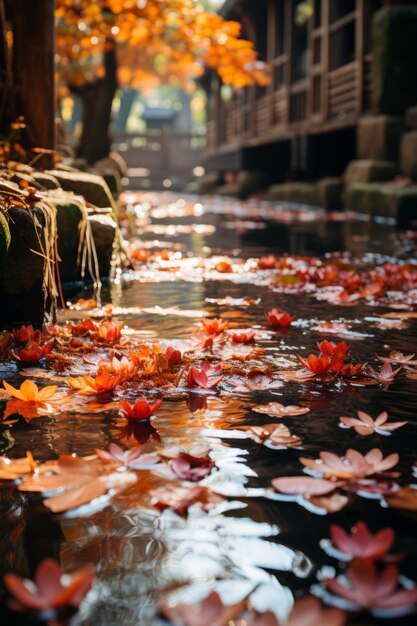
[(303, 123)]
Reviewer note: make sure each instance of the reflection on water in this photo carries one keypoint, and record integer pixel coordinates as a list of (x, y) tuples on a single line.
[(246, 543)]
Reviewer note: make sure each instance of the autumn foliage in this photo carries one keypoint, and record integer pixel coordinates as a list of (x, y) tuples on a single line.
[(169, 41)]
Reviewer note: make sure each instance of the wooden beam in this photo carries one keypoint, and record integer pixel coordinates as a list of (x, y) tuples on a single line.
[(33, 70)]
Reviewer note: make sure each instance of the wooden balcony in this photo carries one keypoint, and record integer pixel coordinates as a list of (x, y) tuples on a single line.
[(333, 94)]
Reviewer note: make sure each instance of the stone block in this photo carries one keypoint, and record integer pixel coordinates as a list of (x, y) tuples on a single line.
[(109, 169), (330, 192), (300, 193), (207, 183), (69, 217), (378, 137), (406, 208), (409, 154), (21, 271), (384, 200), (368, 171), (4, 234), (250, 183), (104, 230), (411, 117), (228, 191), (394, 48), (94, 188), (246, 184), (45, 180), (114, 162), (364, 198)]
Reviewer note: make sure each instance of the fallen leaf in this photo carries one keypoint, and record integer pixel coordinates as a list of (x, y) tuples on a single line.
[(274, 435), (303, 485), (280, 410), (364, 424), (79, 482)]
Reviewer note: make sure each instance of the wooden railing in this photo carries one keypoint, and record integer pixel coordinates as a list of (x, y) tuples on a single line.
[(303, 104), (343, 91), (335, 93)]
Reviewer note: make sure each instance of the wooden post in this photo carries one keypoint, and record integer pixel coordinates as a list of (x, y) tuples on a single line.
[(288, 48), (325, 58), (33, 71), (359, 53), (270, 55)]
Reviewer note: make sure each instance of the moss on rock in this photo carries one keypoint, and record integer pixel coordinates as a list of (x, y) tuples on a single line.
[(22, 272), (94, 188), (299, 192), (4, 235), (394, 47)]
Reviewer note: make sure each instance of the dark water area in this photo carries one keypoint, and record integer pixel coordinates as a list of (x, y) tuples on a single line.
[(251, 539)]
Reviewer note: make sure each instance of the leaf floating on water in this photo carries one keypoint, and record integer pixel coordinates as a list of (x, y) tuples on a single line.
[(352, 465), (303, 485), (364, 424), (398, 357), (29, 391), (386, 374), (280, 410), (274, 436), (361, 543), (80, 481)]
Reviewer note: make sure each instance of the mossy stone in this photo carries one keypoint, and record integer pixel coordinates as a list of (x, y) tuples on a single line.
[(4, 236), (46, 181), (104, 230), (69, 217), (21, 272), (208, 182), (299, 192), (94, 188), (364, 198), (394, 48)]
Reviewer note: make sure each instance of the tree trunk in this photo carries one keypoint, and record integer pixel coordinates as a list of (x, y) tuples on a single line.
[(33, 70), (97, 102)]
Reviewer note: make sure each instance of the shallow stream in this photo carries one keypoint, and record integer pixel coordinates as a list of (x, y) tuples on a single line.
[(252, 540)]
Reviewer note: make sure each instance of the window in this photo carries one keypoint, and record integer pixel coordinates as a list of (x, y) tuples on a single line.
[(279, 27), (303, 12), (342, 46), (340, 8), (317, 13)]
